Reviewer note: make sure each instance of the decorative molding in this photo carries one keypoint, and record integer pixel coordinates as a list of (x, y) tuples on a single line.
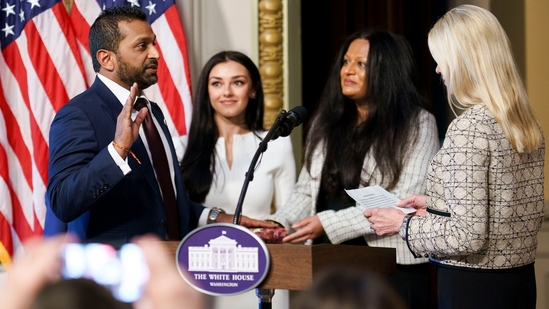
[(271, 57)]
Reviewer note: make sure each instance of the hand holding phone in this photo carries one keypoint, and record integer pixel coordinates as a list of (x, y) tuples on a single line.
[(166, 288), (37, 265), (124, 272)]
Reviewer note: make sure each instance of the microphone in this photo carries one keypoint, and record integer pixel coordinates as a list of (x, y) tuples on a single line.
[(282, 126), (293, 118)]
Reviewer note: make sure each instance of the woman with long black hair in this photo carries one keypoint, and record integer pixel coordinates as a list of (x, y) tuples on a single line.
[(370, 128), (225, 132)]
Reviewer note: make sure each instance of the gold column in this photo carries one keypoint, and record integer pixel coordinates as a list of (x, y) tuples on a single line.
[(270, 57)]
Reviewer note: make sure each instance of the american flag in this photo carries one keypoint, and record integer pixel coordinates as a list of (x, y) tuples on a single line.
[(40, 69), (44, 62)]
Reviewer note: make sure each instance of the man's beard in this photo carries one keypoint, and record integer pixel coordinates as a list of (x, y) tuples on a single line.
[(129, 74)]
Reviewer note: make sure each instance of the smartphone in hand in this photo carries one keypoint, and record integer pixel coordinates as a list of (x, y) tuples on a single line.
[(124, 272)]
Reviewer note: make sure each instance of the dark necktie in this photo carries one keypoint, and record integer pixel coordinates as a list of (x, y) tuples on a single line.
[(162, 168)]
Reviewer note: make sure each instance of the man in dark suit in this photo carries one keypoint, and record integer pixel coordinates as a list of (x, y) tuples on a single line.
[(103, 185)]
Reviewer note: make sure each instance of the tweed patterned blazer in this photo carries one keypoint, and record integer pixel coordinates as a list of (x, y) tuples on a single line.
[(484, 199), (350, 223)]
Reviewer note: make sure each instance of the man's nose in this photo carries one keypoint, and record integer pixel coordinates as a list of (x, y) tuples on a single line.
[(153, 53)]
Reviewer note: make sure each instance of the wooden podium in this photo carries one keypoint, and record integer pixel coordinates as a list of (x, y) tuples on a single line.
[(294, 266)]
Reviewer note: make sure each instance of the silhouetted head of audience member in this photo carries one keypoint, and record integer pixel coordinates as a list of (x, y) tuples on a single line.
[(347, 288), (76, 293)]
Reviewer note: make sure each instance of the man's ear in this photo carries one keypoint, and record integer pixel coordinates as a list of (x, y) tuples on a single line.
[(106, 59)]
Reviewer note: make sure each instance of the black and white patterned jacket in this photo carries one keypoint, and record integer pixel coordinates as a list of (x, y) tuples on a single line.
[(485, 200)]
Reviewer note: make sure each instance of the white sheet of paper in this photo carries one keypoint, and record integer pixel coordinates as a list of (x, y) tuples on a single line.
[(376, 196)]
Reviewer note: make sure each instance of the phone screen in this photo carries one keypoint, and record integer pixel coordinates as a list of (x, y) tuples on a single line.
[(123, 272)]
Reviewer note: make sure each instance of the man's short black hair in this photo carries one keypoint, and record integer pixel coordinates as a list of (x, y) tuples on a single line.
[(105, 34)]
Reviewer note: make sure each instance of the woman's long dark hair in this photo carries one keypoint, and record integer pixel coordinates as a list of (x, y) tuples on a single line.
[(394, 100), (198, 165)]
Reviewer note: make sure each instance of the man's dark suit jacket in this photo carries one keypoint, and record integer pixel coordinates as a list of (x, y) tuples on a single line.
[(87, 190)]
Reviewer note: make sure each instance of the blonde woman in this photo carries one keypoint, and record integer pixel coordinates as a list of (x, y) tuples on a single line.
[(484, 203)]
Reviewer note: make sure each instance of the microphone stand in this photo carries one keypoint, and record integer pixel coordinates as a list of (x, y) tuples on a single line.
[(250, 174), (265, 296)]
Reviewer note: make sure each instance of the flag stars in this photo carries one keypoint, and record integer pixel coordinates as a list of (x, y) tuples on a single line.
[(9, 9), (8, 30), (34, 3), (151, 8), (134, 3), (22, 15)]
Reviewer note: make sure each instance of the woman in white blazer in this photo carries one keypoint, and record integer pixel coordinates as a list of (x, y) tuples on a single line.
[(370, 128)]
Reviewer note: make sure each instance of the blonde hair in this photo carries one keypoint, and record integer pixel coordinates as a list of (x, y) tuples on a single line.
[(474, 56)]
